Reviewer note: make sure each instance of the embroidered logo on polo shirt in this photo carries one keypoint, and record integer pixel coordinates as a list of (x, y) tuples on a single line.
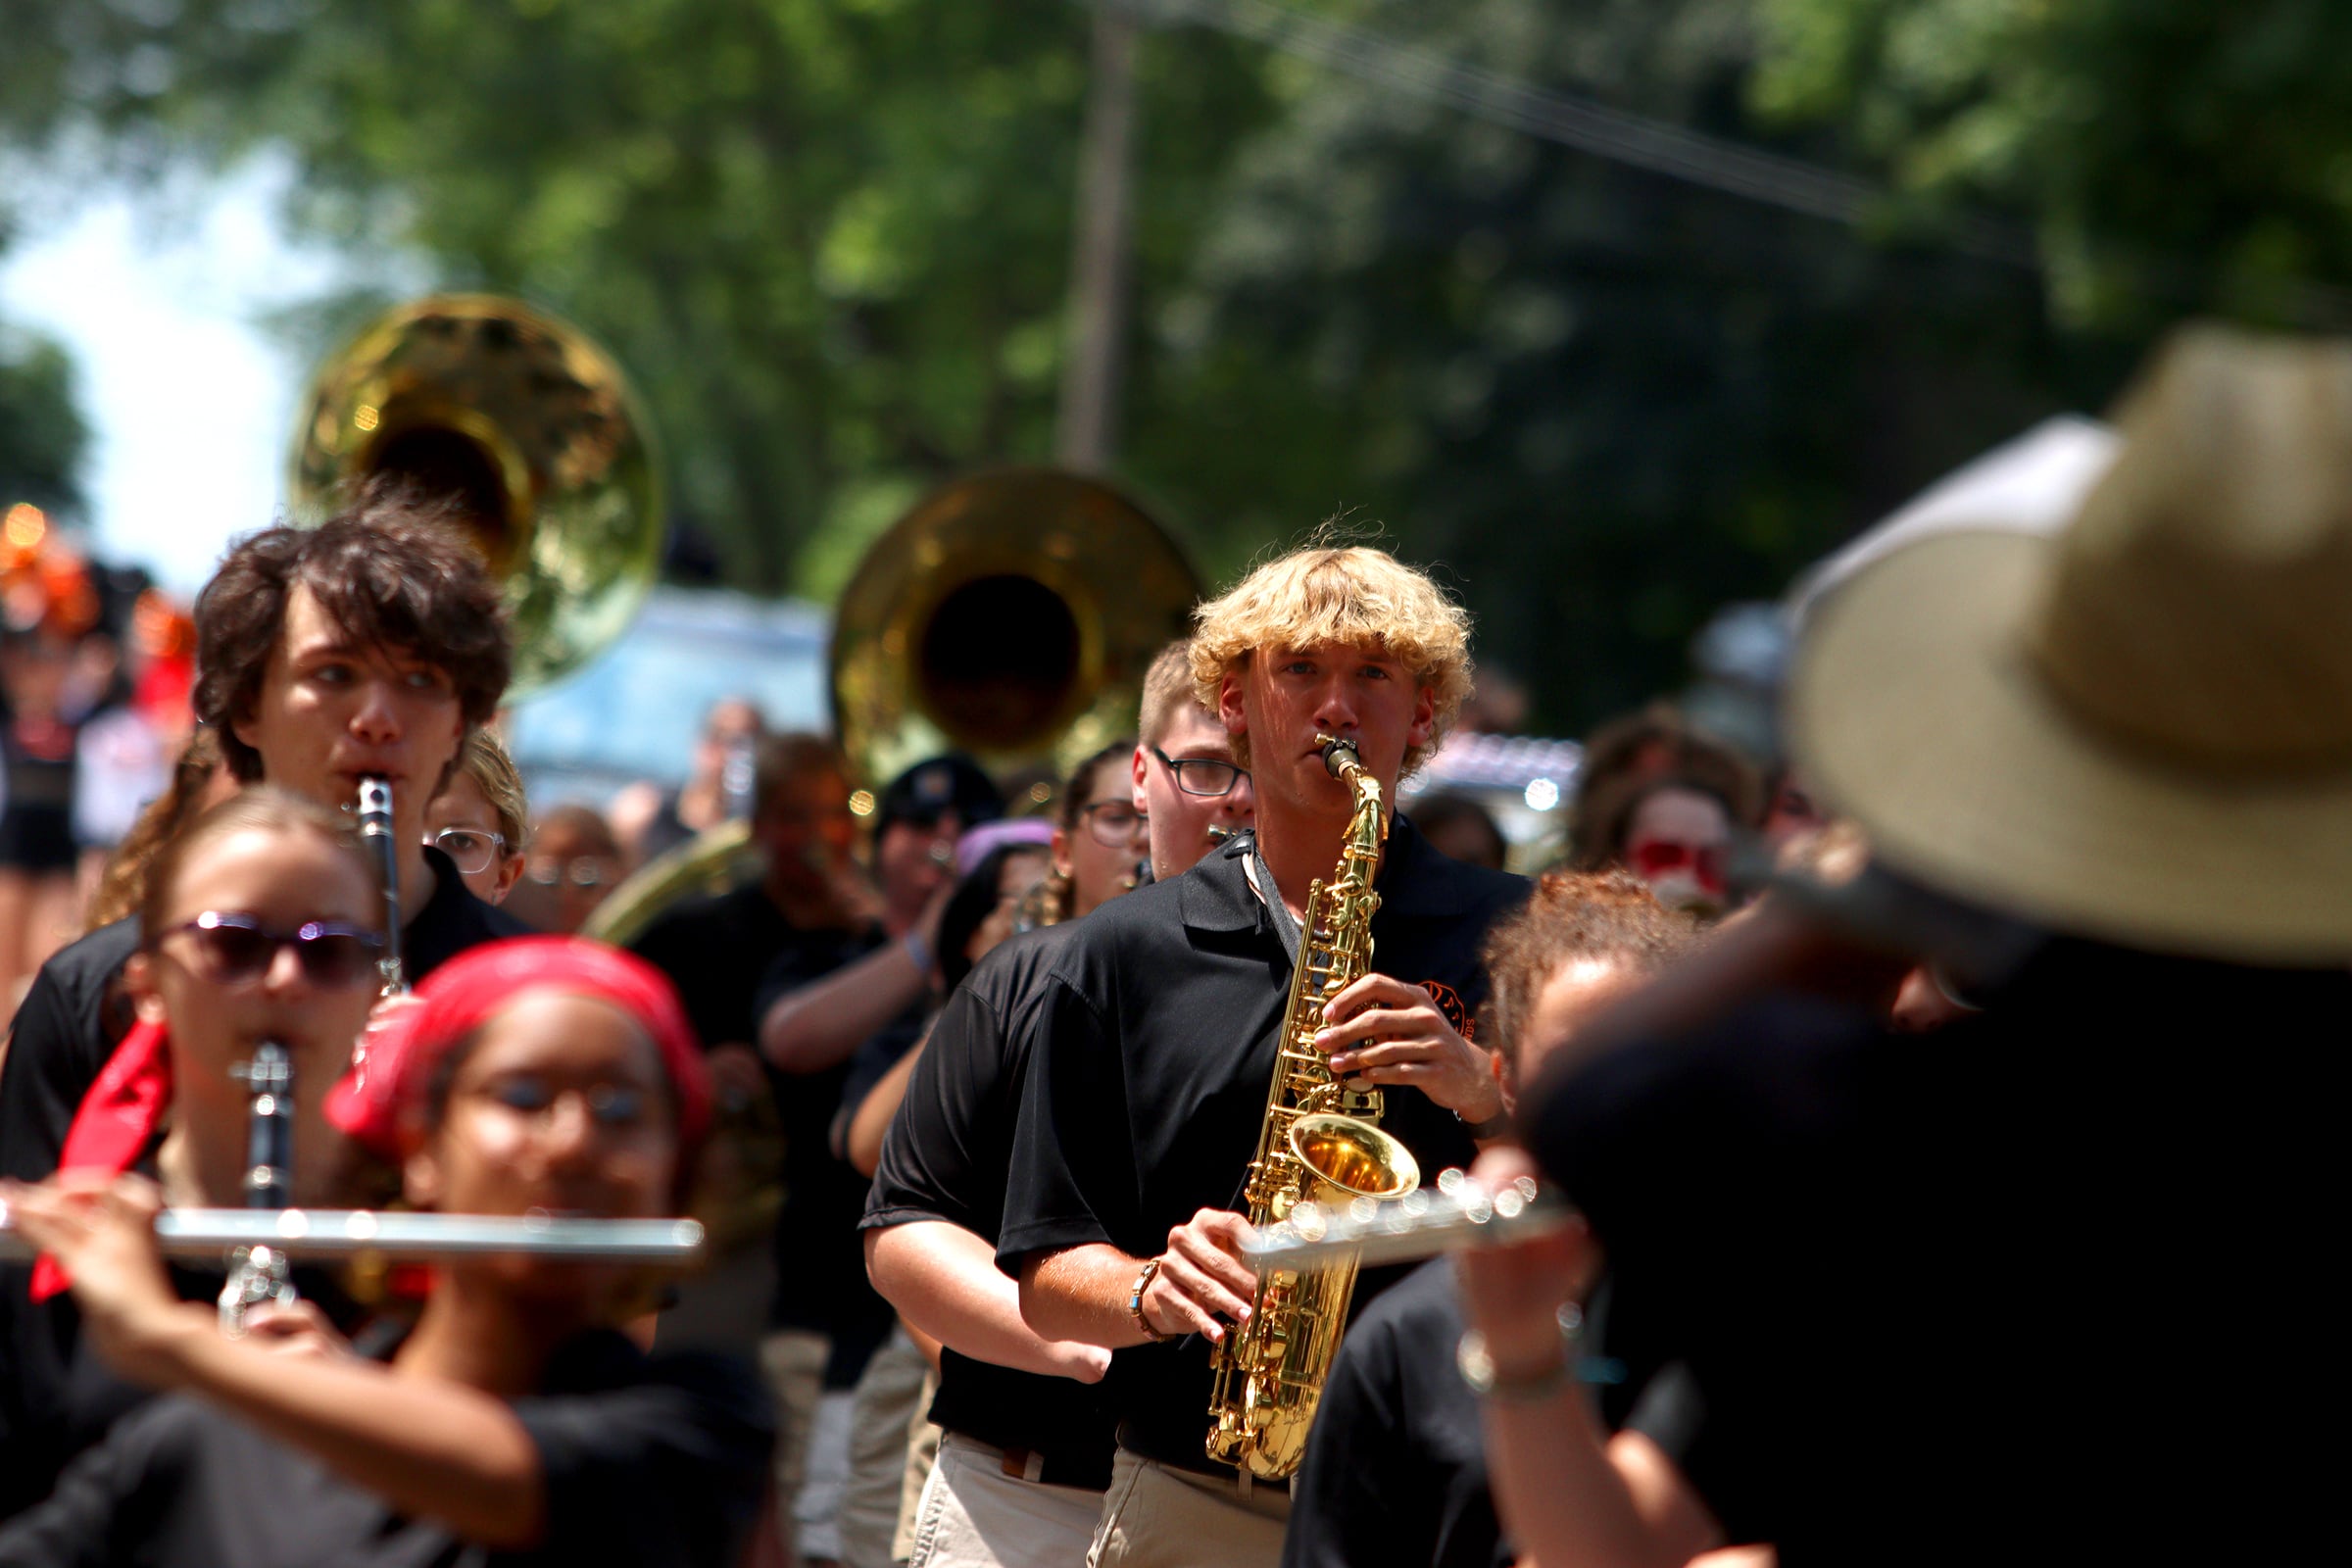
[(1449, 1003)]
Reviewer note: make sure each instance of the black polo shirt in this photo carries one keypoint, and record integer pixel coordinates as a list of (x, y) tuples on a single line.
[(1156, 1050), (946, 1158)]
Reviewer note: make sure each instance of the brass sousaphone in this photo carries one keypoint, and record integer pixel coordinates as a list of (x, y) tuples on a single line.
[(531, 428), (1011, 614)]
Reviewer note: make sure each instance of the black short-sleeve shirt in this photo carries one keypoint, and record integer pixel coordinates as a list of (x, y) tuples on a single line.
[(819, 1259), (647, 1463), (946, 1158), (1158, 1048), (1396, 1469)]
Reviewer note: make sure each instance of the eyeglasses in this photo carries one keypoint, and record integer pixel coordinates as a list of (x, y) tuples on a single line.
[(237, 949), (588, 871), (471, 849), (1204, 776), (1113, 824)]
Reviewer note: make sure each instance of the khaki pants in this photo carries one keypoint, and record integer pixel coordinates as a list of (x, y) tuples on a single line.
[(793, 1362), (976, 1516), (1156, 1516), (922, 1452), (881, 1413)]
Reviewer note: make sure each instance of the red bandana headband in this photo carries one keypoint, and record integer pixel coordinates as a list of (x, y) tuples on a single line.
[(397, 1064)]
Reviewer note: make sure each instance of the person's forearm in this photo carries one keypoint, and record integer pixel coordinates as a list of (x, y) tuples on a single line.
[(871, 1124), (1081, 1292), (945, 1281), (1560, 1497), (428, 1447), (819, 1025)]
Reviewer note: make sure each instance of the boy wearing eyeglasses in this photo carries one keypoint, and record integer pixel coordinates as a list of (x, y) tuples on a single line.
[(480, 818), (1186, 778)]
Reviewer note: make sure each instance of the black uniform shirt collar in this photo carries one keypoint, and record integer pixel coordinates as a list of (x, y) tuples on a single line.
[(1415, 881)]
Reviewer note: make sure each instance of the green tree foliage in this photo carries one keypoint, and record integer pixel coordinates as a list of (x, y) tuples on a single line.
[(42, 437), (831, 239), (1604, 402), (2173, 155)]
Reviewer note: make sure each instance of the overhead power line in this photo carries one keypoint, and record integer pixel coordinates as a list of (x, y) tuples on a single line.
[(1660, 147), (1635, 140)]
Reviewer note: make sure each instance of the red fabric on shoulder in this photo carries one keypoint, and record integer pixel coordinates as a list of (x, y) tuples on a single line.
[(118, 1117)]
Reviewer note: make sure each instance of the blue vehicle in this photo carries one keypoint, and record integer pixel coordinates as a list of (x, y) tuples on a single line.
[(635, 712)]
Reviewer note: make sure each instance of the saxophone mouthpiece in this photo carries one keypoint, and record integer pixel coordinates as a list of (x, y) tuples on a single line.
[(1336, 747), (1218, 833)]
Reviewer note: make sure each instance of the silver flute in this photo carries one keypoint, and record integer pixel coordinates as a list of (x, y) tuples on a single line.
[(1421, 1224), (262, 1274), (210, 1233)]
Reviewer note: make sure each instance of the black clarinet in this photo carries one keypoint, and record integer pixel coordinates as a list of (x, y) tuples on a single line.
[(258, 1273), (375, 831)]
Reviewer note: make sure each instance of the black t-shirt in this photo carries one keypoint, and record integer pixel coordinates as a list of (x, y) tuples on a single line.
[(648, 1462), (819, 1261), (1156, 1050), (714, 951), (2054, 1275), (74, 1017), (870, 1064), (1396, 1467), (946, 1158)]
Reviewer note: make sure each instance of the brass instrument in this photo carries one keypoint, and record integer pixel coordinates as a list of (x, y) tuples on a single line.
[(531, 428), (1012, 614), (1009, 615), (1320, 1142), (330, 1233)]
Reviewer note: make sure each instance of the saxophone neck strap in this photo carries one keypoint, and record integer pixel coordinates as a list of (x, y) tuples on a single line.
[(1270, 893)]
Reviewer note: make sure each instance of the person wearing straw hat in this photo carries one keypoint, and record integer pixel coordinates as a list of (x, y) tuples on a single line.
[(2050, 1281)]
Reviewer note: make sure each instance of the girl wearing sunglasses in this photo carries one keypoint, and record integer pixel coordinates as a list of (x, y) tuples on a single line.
[(258, 923), (515, 1422)]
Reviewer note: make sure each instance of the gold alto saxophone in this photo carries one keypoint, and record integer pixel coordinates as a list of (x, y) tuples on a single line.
[(1320, 1142)]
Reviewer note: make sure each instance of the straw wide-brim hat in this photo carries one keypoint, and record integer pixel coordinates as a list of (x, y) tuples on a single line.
[(2139, 728)]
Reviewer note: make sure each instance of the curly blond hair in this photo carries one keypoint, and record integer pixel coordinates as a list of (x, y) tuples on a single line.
[(1349, 594)]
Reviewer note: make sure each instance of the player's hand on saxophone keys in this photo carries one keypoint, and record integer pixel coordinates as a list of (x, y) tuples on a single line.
[(1384, 1031), (1201, 1283)]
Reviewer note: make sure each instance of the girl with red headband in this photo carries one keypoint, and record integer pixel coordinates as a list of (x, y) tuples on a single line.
[(515, 1422)]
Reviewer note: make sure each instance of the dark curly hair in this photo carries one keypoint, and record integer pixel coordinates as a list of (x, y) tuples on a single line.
[(391, 569)]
